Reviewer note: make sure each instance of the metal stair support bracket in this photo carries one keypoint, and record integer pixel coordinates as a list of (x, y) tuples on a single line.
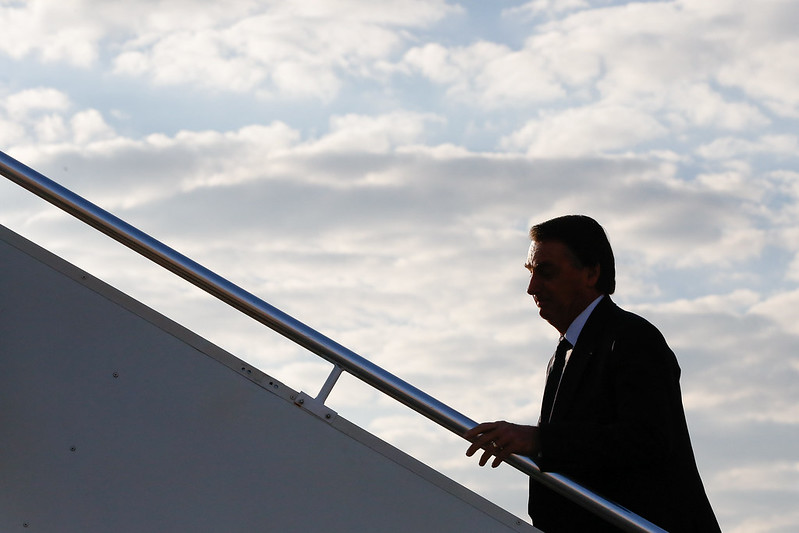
[(312, 405), (289, 327), (332, 378)]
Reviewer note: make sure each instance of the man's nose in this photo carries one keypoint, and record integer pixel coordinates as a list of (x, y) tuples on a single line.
[(532, 286)]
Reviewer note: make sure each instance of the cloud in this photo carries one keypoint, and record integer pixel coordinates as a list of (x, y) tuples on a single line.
[(47, 116), (19, 106), (53, 30), (292, 49), (585, 131), (89, 126), (734, 147), (776, 480), (624, 76), (549, 7), (698, 105), (779, 308), (374, 134), (488, 73), (191, 57), (382, 162), (648, 49), (769, 476)]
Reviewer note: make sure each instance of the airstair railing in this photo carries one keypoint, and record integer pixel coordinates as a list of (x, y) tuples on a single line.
[(342, 358)]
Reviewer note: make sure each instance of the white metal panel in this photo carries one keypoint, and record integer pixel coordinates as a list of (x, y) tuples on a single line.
[(113, 418)]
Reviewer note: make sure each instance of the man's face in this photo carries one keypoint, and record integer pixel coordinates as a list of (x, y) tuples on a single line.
[(560, 287)]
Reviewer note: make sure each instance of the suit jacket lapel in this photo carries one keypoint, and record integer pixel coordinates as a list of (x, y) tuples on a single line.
[(581, 356)]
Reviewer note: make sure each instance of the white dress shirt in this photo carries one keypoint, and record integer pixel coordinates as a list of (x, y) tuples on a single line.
[(573, 333)]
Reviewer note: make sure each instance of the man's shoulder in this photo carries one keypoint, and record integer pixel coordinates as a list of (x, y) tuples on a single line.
[(617, 320), (625, 336)]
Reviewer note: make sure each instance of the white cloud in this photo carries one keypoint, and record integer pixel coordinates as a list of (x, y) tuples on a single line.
[(697, 105), (731, 147), (549, 7), (89, 126), (585, 131), (21, 105), (736, 302), (51, 128), (646, 48), (781, 309), (767, 523), (290, 48), (761, 476), (35, 114), (623, 74), (491, 74), (769, 73), (191, 58), (10, 132), (672, 222), (379, 134), (54, 30)]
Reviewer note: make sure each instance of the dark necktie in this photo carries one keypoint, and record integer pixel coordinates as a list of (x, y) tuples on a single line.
[(553, 379)]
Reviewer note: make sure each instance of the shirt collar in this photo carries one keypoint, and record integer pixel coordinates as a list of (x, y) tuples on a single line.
[(577, 326)]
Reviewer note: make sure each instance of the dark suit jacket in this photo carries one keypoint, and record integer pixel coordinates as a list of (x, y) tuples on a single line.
[(618, 427)]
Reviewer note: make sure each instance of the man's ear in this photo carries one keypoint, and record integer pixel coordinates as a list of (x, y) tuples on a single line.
[(592, 275)]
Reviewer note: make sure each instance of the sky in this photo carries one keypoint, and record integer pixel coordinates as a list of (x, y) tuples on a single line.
[(373, 168)]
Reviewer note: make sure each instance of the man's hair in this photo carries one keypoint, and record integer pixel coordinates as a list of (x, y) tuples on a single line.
[(587, 241)]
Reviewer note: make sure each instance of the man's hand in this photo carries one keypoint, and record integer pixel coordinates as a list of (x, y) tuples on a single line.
[(501, 439)]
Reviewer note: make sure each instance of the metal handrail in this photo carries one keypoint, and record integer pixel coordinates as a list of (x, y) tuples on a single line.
[(301, 334)]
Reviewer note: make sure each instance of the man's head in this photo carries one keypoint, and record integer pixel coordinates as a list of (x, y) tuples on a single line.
[(571, 263)]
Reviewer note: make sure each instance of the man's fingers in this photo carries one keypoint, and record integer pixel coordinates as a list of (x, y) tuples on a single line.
[(480, 435), (479, 429), (500, 440), (483, 442), (490, 449), (501, 456), (496, 439), (486, 456), (473, 448)]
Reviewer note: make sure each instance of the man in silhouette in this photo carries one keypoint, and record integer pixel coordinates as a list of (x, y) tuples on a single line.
[(612, 417)]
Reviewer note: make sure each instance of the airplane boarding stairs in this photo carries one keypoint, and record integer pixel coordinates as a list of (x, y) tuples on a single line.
[(114, 418)]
